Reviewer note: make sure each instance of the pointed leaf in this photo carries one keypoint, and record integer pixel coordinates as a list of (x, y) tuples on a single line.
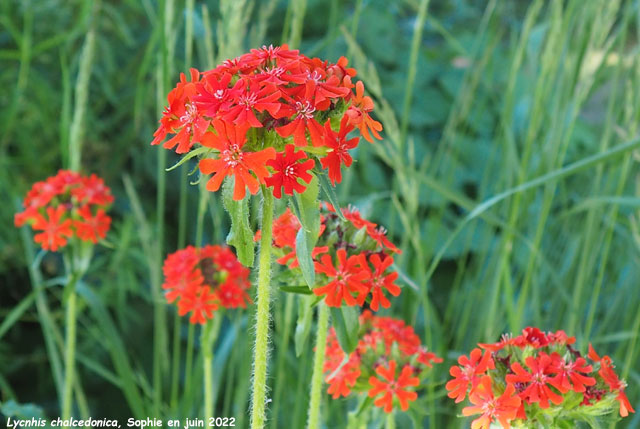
[(346, 325), (303, 326), (188, 156), (240, 235), (303, 290), (330, 193), (307, 210)]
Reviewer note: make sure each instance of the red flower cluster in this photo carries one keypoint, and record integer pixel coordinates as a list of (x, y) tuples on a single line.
[(64, 206), (290, 103), (530, 376), (389, 356), (203, 279), (354, 257)]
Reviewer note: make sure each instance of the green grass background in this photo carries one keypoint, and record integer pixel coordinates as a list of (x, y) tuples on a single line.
[(508, 174)]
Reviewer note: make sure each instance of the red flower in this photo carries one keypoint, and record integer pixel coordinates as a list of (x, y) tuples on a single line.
[(323, 90), (232, 295), (270, 54), (55, 231), (379, 282), (340, 69), (611, 379), (347, 279), (249, 97), (288, 170), (533, 337), (379, 235), (92, 191), (560, 338), (503, 408), (232, 161), (285, 229), (537, 390), (387, 384), (339, 146), (358, 114), (353, 215), (201, 303), (303, 122), (505, 340), (570, 375), (342, 383), (468, 373), (428, 358), (214, 95), (92, 228), (182, 117)]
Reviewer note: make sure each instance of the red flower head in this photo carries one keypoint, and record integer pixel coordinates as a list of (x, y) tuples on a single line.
[(66, 207), (502, 409), (288, 170), (386, 384), (204, 279), (279, 94), (384, 344), (544, 371)]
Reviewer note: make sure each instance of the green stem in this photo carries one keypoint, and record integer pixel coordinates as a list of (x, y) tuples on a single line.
[(318, 362), (390, 422), (188, 361), (175, 361), (70, 351), (209, 335), (262, 318)]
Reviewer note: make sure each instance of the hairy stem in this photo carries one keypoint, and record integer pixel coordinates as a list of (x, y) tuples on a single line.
[(262, 318), (318, 362), (69, 352)]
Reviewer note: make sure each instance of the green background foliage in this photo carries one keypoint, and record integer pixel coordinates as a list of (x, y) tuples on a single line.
[(502, 175)]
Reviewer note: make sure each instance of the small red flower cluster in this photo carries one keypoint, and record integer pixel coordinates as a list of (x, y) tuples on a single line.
[(287, 100), (386, 345), (528, 376), (64, 206), (354, 256), (203, 279)]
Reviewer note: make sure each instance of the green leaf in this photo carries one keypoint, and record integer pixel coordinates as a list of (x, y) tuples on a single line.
[(346, 325), (330, 193), (15, 314), (112, 342), (188, 156), (240, 235), (304, 290), (303, 252), (307, 210), (303, 326)]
